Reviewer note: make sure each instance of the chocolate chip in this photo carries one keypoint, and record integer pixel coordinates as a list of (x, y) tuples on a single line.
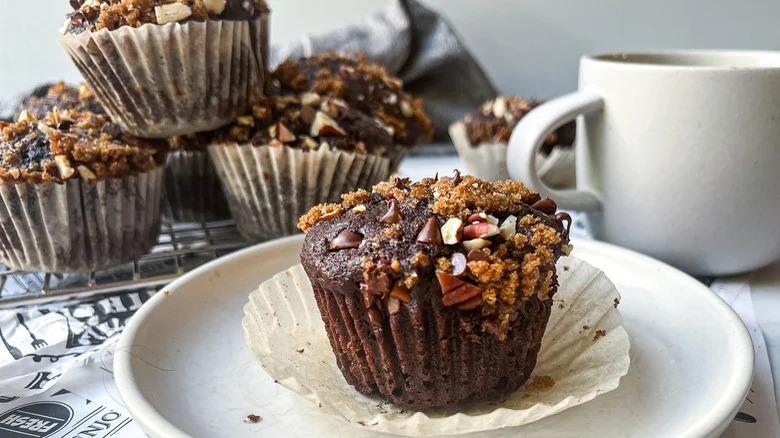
[(308, 114), (457, 179), (561, 217), (76, 4), (393, 215), (375, 316), (64, 126), (436, 178), (401, 183), (476, 255), (346, 239), (459, 266), (471, 304), (546, 206), (431, 233), (533, 198)]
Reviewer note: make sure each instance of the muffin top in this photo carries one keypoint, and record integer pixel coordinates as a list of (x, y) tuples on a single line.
[(366, 87), (94, 15), (62, 97), (308, 121), (495, 120), (488, 245), (70, 144)]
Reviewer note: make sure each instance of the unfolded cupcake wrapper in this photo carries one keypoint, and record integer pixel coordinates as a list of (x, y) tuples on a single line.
[(163, 80), (488, 160), (584, 352), (78, 227), (192, 189), (270, 187)]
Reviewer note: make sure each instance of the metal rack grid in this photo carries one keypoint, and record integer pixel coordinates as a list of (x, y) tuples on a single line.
[(180, 248)]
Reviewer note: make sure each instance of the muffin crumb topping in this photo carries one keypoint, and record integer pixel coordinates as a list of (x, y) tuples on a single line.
[(490, 245)]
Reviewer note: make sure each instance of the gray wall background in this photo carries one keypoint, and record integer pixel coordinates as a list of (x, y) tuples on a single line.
[(528, 47)]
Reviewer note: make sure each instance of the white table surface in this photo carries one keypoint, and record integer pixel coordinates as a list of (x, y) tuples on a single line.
[(766, 298)]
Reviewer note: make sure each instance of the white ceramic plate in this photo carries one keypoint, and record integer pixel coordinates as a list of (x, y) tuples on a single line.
[(183, 369)]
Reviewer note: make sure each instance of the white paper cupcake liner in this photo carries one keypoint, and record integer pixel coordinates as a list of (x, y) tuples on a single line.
[(270, 187), (192, 189), (173, 79), (75, 227), (585, 351), (488, 160)]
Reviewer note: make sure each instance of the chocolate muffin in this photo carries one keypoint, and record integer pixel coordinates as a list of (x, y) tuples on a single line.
[(63, 98), (495, 120), (365, 86), (437, 292), (77, 194), (293, 152), (481, 140), (170, 67)]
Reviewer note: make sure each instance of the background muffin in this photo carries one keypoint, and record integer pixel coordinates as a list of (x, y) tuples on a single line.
[(482, 136), (162, 67), (77, 194), (437, 292), (62, 97), (365, 87), (293, 152)]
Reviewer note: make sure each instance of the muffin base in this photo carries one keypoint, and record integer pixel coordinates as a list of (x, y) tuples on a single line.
[(422, 357), (270, 187), (76, 227), (192, 189)]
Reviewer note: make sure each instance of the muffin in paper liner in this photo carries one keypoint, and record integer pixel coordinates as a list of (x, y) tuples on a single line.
[(78, 227), (584, 354), (158, 81), (488, 160), (270, 187), (192, 189)]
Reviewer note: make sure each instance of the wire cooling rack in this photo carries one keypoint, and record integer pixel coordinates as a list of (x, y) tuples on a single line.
[(180, 249)]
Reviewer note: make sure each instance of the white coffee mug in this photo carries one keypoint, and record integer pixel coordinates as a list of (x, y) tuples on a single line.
[(678, 155)]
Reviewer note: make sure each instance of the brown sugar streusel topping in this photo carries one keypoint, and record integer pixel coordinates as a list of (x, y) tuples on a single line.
[(365, 86), (94, 15), (492, 245), (62, 97), (69, 144), (310, 122), (495, 120)]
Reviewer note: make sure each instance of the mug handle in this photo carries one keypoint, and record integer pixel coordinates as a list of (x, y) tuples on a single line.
[(531, 132)]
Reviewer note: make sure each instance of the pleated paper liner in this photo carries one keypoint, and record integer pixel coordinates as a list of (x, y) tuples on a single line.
[(270, 187), (488, 160), (158, 81), (584, 352), (192, 188), (76, 227)]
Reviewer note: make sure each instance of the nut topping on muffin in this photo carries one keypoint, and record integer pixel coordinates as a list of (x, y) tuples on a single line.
[(493, 244), (495, 120), (93, 15), (65, 144), (364, 86)]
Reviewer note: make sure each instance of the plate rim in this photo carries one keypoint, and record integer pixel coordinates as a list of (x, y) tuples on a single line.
[(151, 420)]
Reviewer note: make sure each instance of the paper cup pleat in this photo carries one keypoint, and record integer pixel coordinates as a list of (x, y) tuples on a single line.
[(584, 350), (74, 227), (173, 79), (192, 189), (488, 160), (270, 187)]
